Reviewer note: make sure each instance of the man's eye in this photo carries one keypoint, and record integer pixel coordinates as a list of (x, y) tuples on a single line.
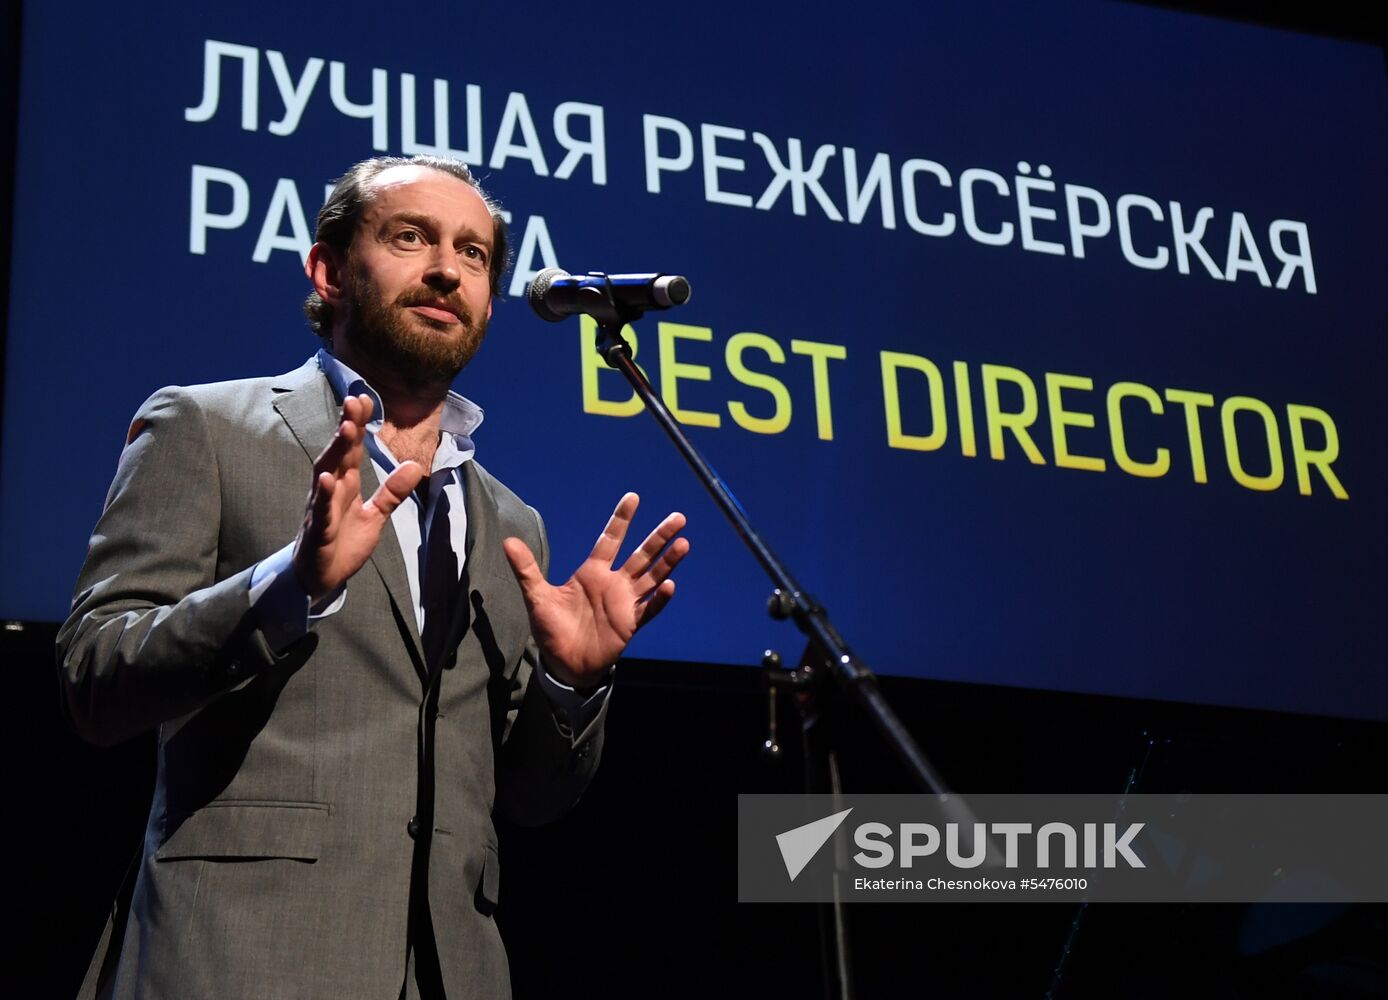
[(476, 253), (409, 237)]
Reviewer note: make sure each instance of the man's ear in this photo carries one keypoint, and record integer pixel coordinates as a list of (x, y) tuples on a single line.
[(325, 271)]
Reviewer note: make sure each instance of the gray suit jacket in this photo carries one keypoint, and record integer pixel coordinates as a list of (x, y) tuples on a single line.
[(277, 860)]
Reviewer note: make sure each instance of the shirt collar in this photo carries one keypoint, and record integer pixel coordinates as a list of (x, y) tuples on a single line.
[(461, 416)]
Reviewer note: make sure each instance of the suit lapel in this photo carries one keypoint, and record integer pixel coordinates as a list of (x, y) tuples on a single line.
[(482, 556), (477, 559), (305, 401), (481, 520), (489, 572)]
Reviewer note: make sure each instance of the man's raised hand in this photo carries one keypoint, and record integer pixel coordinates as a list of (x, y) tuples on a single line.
[(582, 626), (340, 531)]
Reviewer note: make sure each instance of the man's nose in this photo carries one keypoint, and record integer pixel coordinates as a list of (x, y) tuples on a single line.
[(443, 271)]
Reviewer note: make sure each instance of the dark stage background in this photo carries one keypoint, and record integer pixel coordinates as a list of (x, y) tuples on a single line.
[(634, 893)]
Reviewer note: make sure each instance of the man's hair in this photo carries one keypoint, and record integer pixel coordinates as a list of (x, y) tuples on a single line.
[(341, 214)]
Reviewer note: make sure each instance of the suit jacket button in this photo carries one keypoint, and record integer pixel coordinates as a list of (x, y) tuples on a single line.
[(412, 828)]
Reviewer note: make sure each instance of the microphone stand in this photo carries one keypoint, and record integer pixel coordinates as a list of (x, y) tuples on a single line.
[(829, 673)]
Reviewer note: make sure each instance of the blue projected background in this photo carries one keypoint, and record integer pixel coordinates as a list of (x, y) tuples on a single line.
[(1042, 342)]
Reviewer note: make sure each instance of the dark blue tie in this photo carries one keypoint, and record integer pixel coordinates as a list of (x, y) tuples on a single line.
[(438, 578)]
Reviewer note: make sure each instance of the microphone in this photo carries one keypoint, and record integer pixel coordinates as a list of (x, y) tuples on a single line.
[(555, 294)]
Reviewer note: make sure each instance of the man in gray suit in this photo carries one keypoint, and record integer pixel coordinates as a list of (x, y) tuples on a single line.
[(334, 737)]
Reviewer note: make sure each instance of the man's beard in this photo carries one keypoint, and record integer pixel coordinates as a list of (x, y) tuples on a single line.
[(421, 353)]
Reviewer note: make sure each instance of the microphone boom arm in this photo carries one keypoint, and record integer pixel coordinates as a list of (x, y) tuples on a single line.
[(826, 652)]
